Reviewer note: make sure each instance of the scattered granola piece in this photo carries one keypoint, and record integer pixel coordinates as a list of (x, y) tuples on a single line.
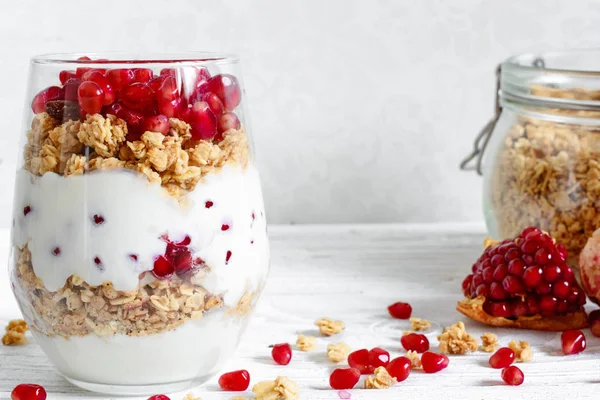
[(455, 340), (306, 343), (414, 358), (239, 398), (522, 350), (408, 332), (419, 324), (329, 327), (489, 342), (282, 388), (381, 379), (190, 396), (338, 352), (13, 338), (18, 325)]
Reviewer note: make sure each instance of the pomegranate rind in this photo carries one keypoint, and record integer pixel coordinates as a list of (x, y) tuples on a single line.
[(473, 308)]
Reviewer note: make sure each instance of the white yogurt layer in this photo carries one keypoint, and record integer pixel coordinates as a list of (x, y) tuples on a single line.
[(135, 215), (195, 349)]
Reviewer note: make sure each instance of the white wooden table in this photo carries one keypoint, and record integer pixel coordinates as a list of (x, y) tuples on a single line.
[(352, 273)]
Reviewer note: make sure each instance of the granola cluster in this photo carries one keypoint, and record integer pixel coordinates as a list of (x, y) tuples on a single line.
[(381, 379), (329, 327), (78, 309), (306, 343), (489, 342), (419, 324), (547, 174), (282, 388), (456, 340), (174, 161), (338, 352), (522, 349), (15, 333)]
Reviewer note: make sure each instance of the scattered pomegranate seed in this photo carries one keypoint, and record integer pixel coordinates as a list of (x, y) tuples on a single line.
[(359, 359), (397, 310), (228, 121), (573, 342), (134, 257), (139, 97), (215, 105), (227, 88), (282, 353), (159, 397), (91, 97), (208, 204), (227, 256), (224, 227), (65, 76), (26, 210), (156, 123), (235, 381), (120, 78), (344, 378), (399, 368), (433, 362), (162, 268), (502, 358), (512, 376), (98, 219), (99, 78), (49, 94), (186, 241), (182, 261), (415, 342), (142, 75), (28, 391), (378, 357), (56, 251), (202, 121)]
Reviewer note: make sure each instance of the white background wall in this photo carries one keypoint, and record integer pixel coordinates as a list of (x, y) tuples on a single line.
[(361, 110)]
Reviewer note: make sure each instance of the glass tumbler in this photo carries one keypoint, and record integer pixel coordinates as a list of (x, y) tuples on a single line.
[(139, 245)]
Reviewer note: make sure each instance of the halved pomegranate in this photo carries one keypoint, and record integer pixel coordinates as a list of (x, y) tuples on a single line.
[(524, 282)]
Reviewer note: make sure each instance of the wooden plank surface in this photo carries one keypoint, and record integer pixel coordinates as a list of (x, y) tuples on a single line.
[(351, 273)]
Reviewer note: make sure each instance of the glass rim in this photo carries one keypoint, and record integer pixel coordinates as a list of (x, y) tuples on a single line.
[(137, 58), (524, 61)]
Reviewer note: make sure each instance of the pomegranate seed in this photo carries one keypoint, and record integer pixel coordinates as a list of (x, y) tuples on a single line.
[(202, 121), (399, 368), (533, 305), (227, 88), (139, 97), (551, 273), (513, 254), (282, 353), (134, 257), (595, 327), (186, 241), (70, 88), (142, 75), (344, 378), (159, 397), (91, 97), (28, 391), (512, 375), (98, 219), (235, 381), (208, 204), (567, 273), (477, 280), (518, 308), (500, 272), (513, 285), (134, 119), (415, 342), (516, 267), (224, 227), (359, 359), (573, 342), (397, 310), (162, 268), (26, 210), (482, 290), (502, 358), (542, 256), (497, 260), (157, 82), (49, 94), (378, 357), (99, 78), (56, 251), (433, 362), (182, 261), (498, 309), (228, 121), (544, 288), (548, 303), (561, 289), (120, 78), (532, 276), (488, 275), (594, 315), (562, 251), (531, 229), (530, 246), (497, 292), (213, 102), (65, 76), (156, 123), (466, 284), (227, 256)]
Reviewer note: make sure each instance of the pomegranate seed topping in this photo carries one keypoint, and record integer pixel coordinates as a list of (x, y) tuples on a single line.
[(138, 97), (227, 256), (359, 359), (186, 241), (156, 123), (595, 327), (159, 397), (28, 391), (399, 368), (397, 310), (70, 88), (202, 121), (65, 76), (502, 358), (99, 78), (433, 362), (133, 118), (208, 204), (162, 268), (344, 378), (573, 342), (98, 219), (228, 121), (227, 88), (213, 102), (49, 94), (157, 82), (415, 342), (56, 251), (282, 353), (91, 97), (512, 376), (120, 78), (26, 210), (235, 381), (378, 357), (142, 75), (182, 261), (224, 227)]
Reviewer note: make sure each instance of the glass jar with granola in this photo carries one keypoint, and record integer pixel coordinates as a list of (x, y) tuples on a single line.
[(139, 243), (542, 150)]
